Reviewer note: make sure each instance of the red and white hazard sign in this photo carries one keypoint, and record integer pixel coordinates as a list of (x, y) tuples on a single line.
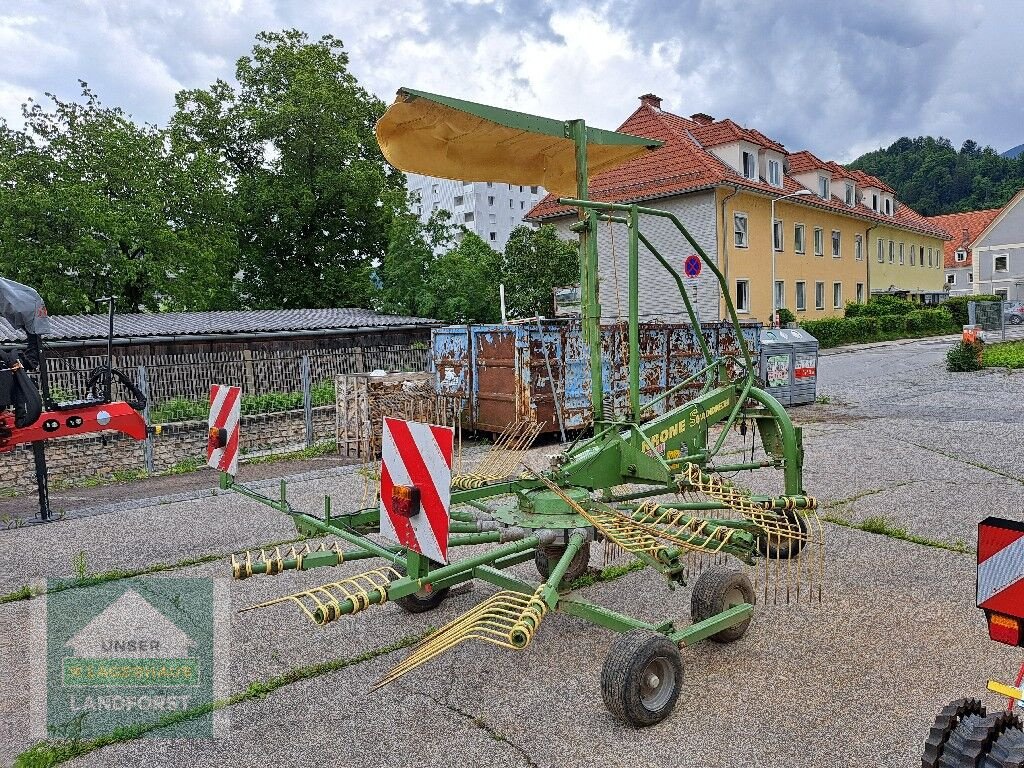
[(225, 412), (417, 456), (1001, 566)]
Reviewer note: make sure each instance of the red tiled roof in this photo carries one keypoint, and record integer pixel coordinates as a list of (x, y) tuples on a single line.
[(805, 162), (867, 180), (726, 131), (683, 165), (965, 229)]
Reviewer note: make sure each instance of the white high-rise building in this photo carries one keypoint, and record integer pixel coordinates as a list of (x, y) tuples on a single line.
[(491, 209)]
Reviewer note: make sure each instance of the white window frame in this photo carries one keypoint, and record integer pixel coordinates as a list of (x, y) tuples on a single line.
[(961, 254), (851, 196), (929, 257), (881, 250), (913, 255), (801, 296), (751, 172), (860, 293), (837, 244), (995, 262), (874, 202), (892, 251), (951, 278), (819, 241), (819, 294), (777, 235), (837, 295), (970, 277), (775, 173), (780, 294), (888, 206), (903, 259), (1003, 293), (824, 187), (468, 216), (858, 247), (799, 242), (740, 235), (743, 308)]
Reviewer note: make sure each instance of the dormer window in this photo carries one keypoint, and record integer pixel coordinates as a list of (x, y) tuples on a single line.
[(749, 165), (849, 195), (874, 203), (824, 192), (775, 173), (888, 206), (961, 255)]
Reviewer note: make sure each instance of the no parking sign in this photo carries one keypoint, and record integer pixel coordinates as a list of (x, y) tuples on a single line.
[(692, 266)]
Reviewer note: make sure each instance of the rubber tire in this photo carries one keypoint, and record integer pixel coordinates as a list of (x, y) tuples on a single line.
[(1007, 751), (420, 602), (715, 592), (945, 723), (622, 676), (792, 548), (544, 556), (969, 743), (1016, 319)]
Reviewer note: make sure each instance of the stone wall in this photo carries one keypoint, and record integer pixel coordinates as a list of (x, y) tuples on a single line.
[(75, 460)]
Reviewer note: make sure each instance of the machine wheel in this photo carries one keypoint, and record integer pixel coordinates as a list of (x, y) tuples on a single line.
[(972, 739), (791, 547), (546, 557), (1008, 750), (427, 599), (719, 589), (1016, 319), (641, 677), (945, 723)]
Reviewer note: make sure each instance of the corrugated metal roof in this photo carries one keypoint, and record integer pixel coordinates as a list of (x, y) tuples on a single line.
[(185, 324)]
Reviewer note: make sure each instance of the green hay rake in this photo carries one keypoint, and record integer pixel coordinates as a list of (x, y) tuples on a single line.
[(649, 487)]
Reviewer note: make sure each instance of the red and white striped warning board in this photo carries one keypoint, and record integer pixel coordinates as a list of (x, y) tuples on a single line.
[(420, 455), (1001, 566), (225, 411)]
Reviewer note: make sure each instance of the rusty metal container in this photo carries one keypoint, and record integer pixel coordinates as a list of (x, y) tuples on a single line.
[(502, 370)]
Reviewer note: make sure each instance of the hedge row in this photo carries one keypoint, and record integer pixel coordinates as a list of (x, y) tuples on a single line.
[(957, 306), (832, 332)]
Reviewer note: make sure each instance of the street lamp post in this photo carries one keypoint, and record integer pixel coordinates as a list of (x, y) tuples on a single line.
[(775, 308)]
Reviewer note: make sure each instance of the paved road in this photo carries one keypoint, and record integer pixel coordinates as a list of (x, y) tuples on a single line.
[(852, 682)]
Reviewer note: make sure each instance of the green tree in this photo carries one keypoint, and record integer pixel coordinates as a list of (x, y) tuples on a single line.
[(94, 204), (462, 284), (314, 198), (535, 262), (410, 252)]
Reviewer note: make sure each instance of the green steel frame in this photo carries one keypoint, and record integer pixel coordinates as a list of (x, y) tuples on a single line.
[(647, 454)]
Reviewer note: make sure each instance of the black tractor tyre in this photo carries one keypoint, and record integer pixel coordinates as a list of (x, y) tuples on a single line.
[(546, 558), (1007, 751), (945, 723), (790, 548), (718, 589), (426, 599), (641, 677), (969, 743)]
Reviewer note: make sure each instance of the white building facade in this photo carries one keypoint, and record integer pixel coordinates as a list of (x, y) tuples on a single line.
[(491, 209)]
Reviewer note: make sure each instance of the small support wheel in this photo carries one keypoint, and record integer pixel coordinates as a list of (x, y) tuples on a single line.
[(426, 599), (718, 589), (790, 548), (641, 677), (547, 557)]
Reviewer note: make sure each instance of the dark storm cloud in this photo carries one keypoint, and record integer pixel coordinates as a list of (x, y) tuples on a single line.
[(838, 78)]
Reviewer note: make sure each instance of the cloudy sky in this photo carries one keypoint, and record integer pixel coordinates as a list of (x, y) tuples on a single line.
[(838, 78)]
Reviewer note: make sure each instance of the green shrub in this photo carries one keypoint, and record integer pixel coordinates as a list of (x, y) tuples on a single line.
[(830, 332), (863, 328), (892, 325), (964, 356), (879, 306), (935, 321), (853, 309), (956, 307)]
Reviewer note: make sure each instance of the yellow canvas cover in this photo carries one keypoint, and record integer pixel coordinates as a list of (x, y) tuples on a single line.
[(453, 139)]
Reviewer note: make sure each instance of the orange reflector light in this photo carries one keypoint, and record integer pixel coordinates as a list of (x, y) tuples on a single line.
[(405, 500), (1004, 629), (218, 438)]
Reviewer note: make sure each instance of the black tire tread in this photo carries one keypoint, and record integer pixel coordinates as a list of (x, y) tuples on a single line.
[(626, 659), (418, 604), (971, 740), (945, 723), (1007, 751), (708, 599)]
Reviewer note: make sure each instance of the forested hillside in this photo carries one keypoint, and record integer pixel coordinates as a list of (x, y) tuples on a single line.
[(932, 177)]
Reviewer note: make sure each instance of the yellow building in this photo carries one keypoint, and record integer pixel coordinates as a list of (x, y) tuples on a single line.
[(721, 180)]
